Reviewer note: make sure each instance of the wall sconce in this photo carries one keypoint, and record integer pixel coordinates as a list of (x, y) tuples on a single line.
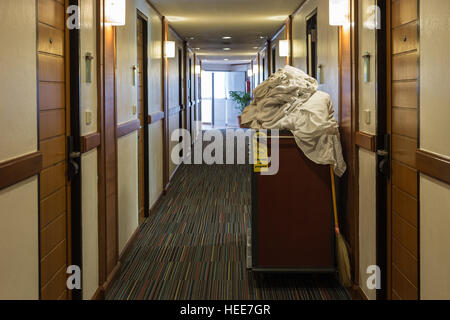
[(372, 20), (366, 58), (255, 69), (115, 12), (198, 69), (284, 48), (320, 74), (339, 12), (89, 57), (169, 49), (249, 73)]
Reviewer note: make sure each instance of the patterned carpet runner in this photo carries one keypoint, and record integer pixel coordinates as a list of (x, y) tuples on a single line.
[(194, 246)]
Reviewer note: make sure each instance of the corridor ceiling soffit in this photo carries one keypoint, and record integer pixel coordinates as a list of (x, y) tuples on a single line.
[(205, 23)]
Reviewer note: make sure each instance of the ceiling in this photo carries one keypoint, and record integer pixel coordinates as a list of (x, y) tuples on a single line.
[(204, 23)]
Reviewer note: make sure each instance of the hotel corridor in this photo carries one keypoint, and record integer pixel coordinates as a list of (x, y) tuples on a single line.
[(114, 113)]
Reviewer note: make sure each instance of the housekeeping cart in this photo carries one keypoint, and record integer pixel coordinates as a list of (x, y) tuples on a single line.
[(292, 227)]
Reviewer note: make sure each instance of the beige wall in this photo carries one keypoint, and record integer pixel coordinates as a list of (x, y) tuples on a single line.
[(367, 218), (434, 137), (328, 46), (128, 188), (89, 202), (18, 79), (19, 277), (367, 159), (89, 178)]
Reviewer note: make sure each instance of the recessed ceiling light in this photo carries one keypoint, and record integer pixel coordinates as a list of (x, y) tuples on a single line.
[(226, 59), (192, 38), (227, 49), (226, 38), (262, 37)]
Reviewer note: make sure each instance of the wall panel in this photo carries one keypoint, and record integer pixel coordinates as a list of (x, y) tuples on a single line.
[(434, 137)]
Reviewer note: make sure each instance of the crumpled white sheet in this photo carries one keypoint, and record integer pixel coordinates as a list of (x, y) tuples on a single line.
[(289, 100)]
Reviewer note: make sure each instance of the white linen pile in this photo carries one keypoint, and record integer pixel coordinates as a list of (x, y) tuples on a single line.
[(289, 100)]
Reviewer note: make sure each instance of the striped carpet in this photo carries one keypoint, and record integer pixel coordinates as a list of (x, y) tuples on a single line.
[(194, 246)]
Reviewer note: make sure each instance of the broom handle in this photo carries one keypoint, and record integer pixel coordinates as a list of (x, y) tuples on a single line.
[(333, 189)]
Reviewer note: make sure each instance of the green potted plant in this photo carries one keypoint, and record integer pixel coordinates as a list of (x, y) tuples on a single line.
[(242, 100)]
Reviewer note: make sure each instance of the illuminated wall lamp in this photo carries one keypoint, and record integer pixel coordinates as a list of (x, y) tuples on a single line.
[(115, 12), (339, 12), (169, 49), (284, 48), (255, 69)]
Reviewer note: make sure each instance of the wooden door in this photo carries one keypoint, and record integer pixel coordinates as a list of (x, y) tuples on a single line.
[(403, 218), (54, 192), (141, 24)]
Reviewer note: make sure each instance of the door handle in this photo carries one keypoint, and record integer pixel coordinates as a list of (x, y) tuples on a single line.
[(382, 153), (384, 159), (73, 160)]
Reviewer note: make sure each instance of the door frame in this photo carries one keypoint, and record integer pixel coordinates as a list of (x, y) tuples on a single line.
[(382, 189), (141, 15), (348, 195), (314, 58), (75, 200), (105, 277)]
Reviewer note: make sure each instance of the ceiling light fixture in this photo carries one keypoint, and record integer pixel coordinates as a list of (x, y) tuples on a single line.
[(227, 49), (226, 38)]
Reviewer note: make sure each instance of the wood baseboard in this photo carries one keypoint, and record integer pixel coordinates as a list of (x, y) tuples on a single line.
[(157, 202), (111, 278), (357, 293), (129, 245), (167, 186), (99, 294)]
